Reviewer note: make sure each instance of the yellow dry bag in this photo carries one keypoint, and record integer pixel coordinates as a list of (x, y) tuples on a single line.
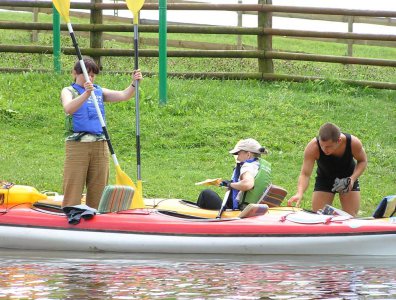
[(17, 194)]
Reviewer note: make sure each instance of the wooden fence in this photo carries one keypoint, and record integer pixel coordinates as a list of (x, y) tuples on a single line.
[(350, 21), (264, 32)]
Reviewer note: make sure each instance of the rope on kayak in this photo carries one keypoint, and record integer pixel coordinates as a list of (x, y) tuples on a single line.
[(6, 186)]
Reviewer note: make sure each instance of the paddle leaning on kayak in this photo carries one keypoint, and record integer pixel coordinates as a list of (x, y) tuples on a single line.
[(250, 178)]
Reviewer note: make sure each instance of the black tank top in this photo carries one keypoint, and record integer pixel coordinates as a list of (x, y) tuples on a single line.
[(330, 166)]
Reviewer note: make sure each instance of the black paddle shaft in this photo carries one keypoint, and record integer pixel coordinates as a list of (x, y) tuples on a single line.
[(135, 44)]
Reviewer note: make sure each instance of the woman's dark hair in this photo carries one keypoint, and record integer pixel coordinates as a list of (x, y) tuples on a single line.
[(261, 150), (90, 65)]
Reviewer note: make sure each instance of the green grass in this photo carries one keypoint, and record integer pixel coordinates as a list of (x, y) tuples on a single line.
[(188, 139)]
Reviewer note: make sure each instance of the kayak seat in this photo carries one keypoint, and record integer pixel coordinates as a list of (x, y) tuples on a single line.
[(273, 196), (115, 198), (386, 208)]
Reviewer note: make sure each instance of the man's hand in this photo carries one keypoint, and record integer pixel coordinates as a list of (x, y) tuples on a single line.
[(341, 185), (296, 198)]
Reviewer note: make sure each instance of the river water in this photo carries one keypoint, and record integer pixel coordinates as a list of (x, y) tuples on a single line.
[(65, 275)]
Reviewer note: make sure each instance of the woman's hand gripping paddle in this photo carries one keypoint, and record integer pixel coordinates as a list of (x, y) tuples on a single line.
[(217, 182), (134, 6), (63, 7)]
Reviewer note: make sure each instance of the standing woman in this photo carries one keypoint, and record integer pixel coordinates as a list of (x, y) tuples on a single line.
[(86, 150)]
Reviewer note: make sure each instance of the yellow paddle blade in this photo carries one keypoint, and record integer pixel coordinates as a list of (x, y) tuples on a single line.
[(135, 6), (123, 179), (63, 7), (137, 201), (215, 181)]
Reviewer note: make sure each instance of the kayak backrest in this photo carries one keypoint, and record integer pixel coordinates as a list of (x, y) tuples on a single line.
[(386, 208), (115, 198), (273, 196)]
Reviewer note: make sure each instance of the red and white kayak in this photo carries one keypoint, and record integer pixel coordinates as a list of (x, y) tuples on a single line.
[(286, 231)]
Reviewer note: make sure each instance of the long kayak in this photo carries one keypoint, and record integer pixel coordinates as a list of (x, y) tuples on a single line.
[(288, 232), (21, 194)]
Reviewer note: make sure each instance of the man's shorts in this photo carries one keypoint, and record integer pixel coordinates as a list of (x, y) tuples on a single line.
[(325, 185)]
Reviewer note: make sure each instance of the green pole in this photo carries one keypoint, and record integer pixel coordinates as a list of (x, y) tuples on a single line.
[(162, 52), (56, 39)]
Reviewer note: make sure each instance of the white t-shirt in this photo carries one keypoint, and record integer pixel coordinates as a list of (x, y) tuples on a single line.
[(252, 168)]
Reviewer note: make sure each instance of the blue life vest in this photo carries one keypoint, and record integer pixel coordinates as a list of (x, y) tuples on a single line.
[(86, 119), (235, 178)]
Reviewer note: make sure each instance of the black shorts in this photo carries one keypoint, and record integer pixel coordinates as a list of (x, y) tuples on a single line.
[(325, 185)]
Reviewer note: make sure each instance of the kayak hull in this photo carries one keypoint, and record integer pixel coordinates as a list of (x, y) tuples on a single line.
[(150, 231), (54, 240)]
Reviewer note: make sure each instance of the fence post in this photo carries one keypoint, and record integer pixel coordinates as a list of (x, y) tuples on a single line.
[(115, 12), (162, 52), (35, 20), (56, 39), (96, 37), (239, 37), (264, 42), (350, 42)]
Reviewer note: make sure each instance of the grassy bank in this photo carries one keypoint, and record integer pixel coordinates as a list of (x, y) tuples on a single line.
[(188, 140)]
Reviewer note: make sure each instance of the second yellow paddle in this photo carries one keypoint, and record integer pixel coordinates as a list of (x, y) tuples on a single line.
[(63, 7), (134, 6)]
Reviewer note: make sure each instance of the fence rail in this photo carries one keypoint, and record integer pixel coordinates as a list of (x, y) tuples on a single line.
[(213, 7), (264, 52), (216, 46), (207, 53), (203, 30)]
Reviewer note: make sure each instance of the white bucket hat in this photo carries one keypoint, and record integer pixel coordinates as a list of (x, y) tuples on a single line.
[(250, 145)]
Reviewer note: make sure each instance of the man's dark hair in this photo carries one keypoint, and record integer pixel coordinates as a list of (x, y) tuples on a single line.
[(329, 131), (90, 65)]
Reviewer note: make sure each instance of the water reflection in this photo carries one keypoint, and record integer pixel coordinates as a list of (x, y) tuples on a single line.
[(40, 275)]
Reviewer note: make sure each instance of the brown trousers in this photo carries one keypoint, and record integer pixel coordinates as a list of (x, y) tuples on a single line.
[(86, 163)]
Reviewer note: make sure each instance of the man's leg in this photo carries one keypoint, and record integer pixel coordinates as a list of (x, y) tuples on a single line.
[(320, 199), (350, 202)]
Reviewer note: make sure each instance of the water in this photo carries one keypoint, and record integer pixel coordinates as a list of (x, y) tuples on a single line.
[(60, 275)]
